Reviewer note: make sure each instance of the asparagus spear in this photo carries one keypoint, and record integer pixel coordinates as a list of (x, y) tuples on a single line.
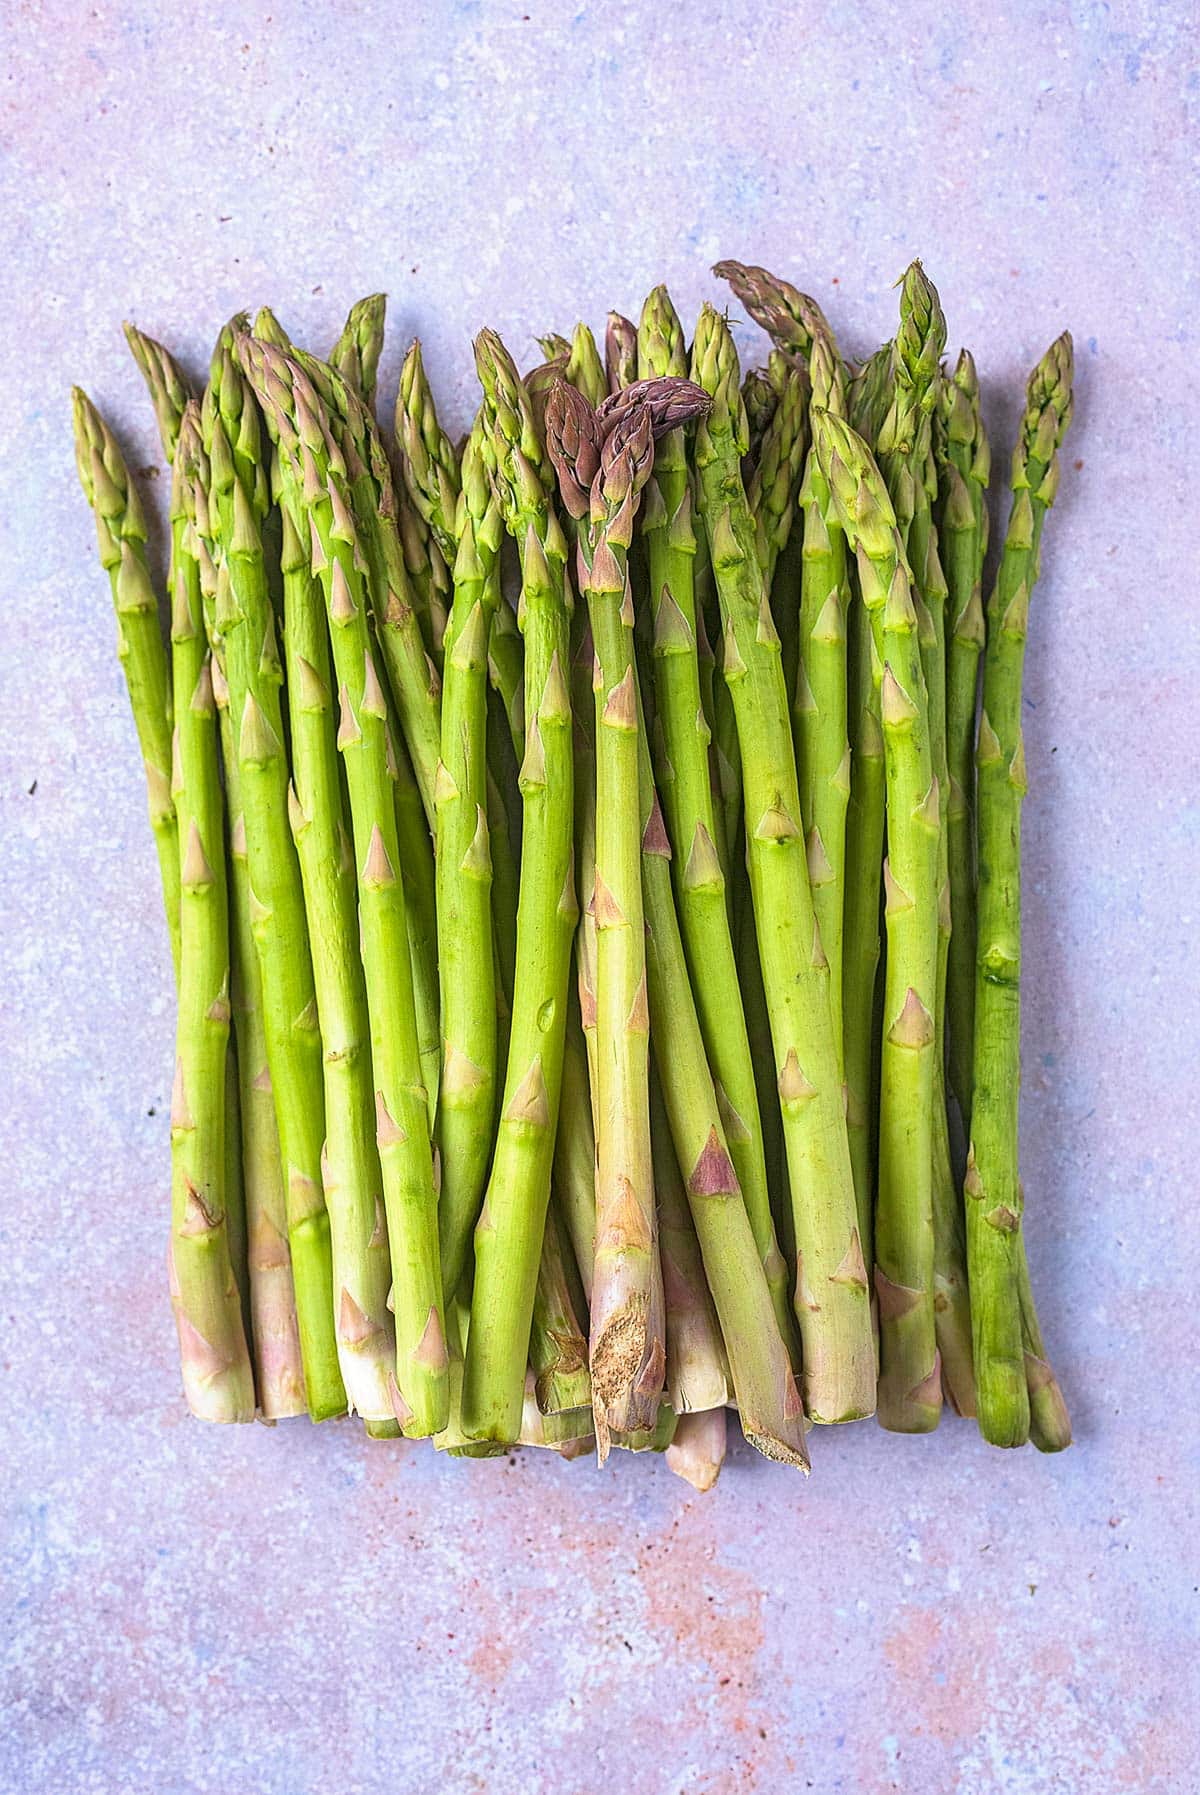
[(165, 382), (464, 873), (791, 319), (602, 484), (558, 1339), (1049, 1422), (278, 1362), (420, 904), (556, 348), (993, 1190), (351, 1174), (121, 533), (412, 676), (725, 761), (772, 1415), (697, 1375), (772, 487), (575, 1148), (787, 316), (910, 1396), (760, 396), (869, 393), (819, 708), (908, 466), (250, 1108), (509, 1231), (428, 576), (318, 479), (217, 1378), (697, 1451), (425, 508), (774, 483), (965, 468), (686, 790), (428, 461), (355, 434), (620, 352), (169, 394), (759, 1361), (831, 1282), (242, 627), (356, 353), (350, 1163), (558, 1334), (506, 672), (584, 370)]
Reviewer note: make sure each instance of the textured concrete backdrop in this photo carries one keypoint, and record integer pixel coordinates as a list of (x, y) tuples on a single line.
[(297, 1612)]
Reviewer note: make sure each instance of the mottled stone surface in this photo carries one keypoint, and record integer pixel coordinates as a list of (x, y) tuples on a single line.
[(294, 1611)]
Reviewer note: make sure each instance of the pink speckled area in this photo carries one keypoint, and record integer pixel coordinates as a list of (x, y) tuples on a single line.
[(298, 1611)]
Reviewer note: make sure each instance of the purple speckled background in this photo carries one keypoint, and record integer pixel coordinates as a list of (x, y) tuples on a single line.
[(299, 1612)]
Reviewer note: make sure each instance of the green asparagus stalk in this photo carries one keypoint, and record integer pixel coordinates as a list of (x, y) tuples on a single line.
[(509, 1231), (1049, 1422), (831, 1281), (166, 384), (865, 404), (121, 534), (600, 487), (760, 396), (217, 1376), (993, 1189), (318, 479), (356, 353), (724, 760), (428, 461), (583, 711), (775, 481), (910, 1396), (428, 576), (697, 1375), (278, 1362), (558, 1338), (819, 708), (782, 557), (567, 1433), (420, 907), (350, 1161), (575, 1148), (243, 632), (464, 874), (278, 1367), (169, 395), (965, 467), (506, 672), (760, 1367), (350, 1164), (685, 788), (864, 852), (412, 676), (908, 465), (559, 1324), (584, 370), (792, 319), (354, 434)]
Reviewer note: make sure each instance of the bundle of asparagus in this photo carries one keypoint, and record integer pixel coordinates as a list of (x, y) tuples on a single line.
[(593, 883)]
